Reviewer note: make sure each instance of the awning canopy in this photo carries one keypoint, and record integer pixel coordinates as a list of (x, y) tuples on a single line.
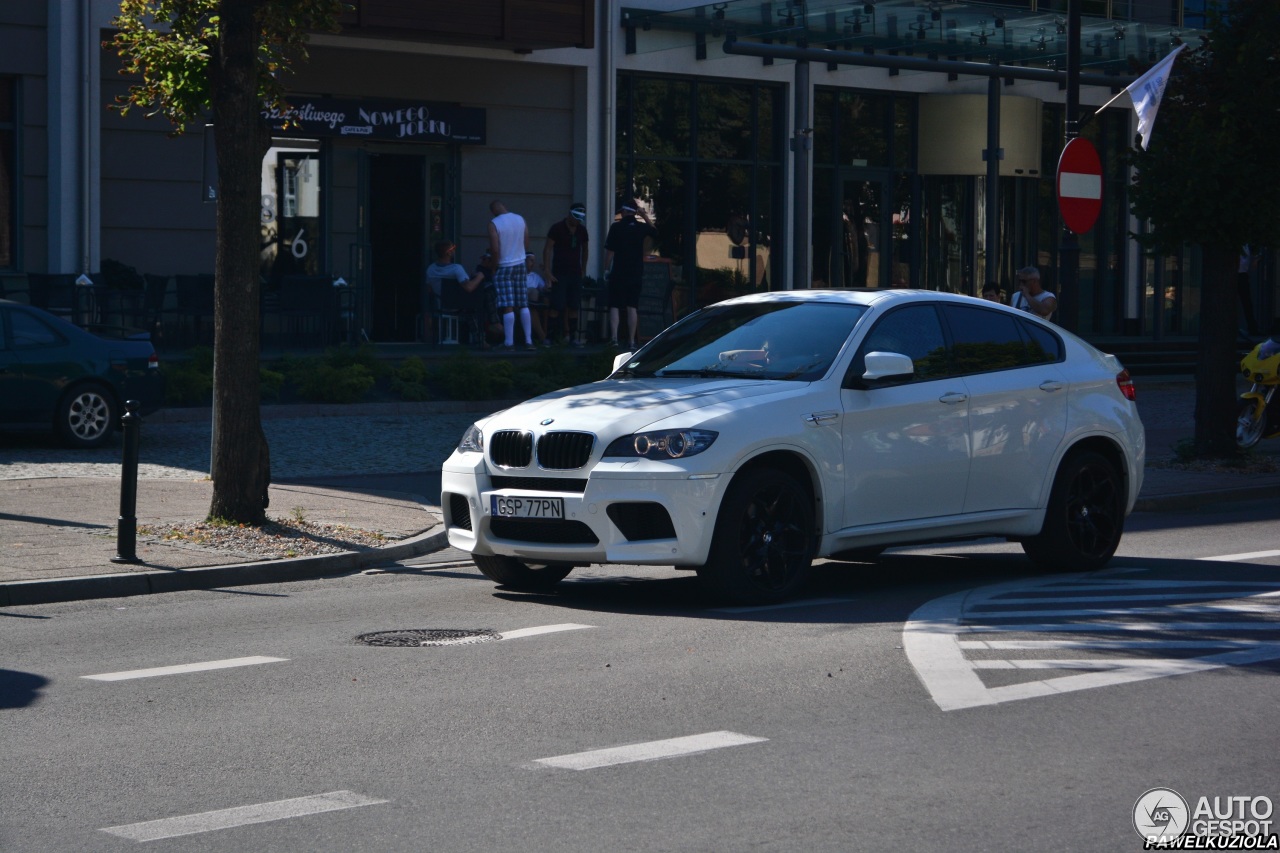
[(1032, 33)]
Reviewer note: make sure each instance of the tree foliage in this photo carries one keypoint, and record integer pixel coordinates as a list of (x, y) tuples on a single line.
[(1209, 179), (1210, 174), (167, 47), (225, 59)]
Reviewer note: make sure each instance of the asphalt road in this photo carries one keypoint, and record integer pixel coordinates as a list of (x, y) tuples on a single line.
[(939, 699)]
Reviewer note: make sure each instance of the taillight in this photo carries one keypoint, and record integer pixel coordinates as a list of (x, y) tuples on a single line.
[(153, 361), (1126, 385)]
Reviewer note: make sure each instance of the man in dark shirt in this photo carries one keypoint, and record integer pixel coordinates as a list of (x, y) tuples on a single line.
[(565, 259), (626, 246)]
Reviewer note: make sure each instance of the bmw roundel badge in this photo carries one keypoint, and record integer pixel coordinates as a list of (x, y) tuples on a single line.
[(548, 421)]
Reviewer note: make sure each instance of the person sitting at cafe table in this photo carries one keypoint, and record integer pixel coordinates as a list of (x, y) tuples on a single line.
[(443, 270)]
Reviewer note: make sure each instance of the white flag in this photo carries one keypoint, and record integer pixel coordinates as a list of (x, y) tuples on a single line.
[(1146, 92)]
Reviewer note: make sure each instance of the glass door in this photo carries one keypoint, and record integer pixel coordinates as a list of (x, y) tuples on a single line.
[(862, 230)]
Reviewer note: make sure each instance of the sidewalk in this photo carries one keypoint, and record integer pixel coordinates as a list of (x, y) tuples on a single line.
[(59, 509)]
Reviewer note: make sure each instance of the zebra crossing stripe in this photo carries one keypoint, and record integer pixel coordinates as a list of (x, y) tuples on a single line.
[(940, 632)]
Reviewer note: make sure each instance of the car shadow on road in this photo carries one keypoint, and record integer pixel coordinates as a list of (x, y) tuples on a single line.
[(884, 590), (20, 689)]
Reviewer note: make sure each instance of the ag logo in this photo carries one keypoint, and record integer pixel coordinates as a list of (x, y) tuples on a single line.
[(1161, 813)]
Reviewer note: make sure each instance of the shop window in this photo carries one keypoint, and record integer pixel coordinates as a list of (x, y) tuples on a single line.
[(660, 120), (8, 172), (726, 130), (769, 144), (703, 157), (733, 250), (863, 137)]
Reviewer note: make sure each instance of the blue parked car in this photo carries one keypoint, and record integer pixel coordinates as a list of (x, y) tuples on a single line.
[(54, 375)]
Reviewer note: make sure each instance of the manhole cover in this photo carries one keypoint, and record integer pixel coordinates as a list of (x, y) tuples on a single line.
[(415, 637)]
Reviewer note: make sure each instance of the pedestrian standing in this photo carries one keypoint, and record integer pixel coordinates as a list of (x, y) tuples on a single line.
[(565, 260), (626, 246), (1031, 297), (509, 242)]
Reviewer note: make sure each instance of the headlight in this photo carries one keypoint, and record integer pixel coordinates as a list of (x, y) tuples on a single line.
[(670, 444), (472, 440)]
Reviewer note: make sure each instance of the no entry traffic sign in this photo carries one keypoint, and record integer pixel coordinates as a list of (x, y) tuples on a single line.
[(1079, 185)]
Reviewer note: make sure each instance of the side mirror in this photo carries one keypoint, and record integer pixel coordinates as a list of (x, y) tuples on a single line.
[(619, 360), (887, 365)]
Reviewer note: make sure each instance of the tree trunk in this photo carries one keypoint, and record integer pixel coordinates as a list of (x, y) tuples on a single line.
[(1216, 364), (241, 469)]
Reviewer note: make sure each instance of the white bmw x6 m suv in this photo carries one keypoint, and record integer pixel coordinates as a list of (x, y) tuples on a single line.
[(759, 433)]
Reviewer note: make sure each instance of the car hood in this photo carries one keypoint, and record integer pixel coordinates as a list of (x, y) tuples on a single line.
[(616, 407)]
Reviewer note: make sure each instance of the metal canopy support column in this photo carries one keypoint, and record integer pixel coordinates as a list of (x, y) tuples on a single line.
[(1069, 257), (802, 154), (993, 155)]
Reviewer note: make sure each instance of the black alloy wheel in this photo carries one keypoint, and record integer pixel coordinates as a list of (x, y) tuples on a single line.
[(1085, 518), (763, 542)]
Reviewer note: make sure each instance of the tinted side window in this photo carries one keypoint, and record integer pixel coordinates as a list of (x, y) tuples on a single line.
[(30, 331), (983, 341), (913, 331), (1043, 346)]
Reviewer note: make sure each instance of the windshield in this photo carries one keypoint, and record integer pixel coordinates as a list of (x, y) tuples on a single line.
[(760, 340)]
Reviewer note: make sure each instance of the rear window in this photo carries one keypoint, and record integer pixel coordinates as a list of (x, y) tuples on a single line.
[(984, 341), (30, 331)]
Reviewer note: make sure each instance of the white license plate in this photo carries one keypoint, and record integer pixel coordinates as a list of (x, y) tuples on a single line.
[(526, 507)]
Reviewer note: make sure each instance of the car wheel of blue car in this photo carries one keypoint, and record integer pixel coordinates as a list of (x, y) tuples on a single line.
[(87, 416)]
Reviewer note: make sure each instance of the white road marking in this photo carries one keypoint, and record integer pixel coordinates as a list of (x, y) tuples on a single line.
[(991, 609), (1138, 596), (1105, 645), (651, 751), (932, 636), (172, 827), (1240, 558), (543, 629), (806, 602), (182, 668)]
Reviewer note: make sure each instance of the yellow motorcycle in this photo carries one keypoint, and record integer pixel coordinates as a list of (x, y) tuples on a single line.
[(1258, 419)]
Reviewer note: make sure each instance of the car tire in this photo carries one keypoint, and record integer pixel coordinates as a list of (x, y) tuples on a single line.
[(86, 416), (764, 539), (1085, 518), (518, 575)]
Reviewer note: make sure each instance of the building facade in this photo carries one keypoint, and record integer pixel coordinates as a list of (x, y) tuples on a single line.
[(761, 171)]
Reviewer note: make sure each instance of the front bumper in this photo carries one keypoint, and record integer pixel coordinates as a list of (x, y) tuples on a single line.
[(600, 521)]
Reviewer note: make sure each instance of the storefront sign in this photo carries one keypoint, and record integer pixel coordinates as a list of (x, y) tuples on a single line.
[(405, 121)]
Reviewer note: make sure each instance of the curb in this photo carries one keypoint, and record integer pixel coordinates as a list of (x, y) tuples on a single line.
[(280, 411), (1194, 500), (124, 584)]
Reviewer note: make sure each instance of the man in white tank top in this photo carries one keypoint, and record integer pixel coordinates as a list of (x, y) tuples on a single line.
[(509, 242), (1031, 297)]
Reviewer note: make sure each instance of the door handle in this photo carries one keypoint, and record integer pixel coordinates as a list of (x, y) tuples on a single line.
[(951, 398), (1050, 385), (816, 418)]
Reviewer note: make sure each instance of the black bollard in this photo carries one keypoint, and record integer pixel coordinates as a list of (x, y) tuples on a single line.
[(127, 526)]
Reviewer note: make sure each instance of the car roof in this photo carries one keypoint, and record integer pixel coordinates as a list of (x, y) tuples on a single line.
[(860, 296)]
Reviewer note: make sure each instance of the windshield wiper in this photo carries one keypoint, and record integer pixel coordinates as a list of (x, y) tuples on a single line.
[(709, 372)]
